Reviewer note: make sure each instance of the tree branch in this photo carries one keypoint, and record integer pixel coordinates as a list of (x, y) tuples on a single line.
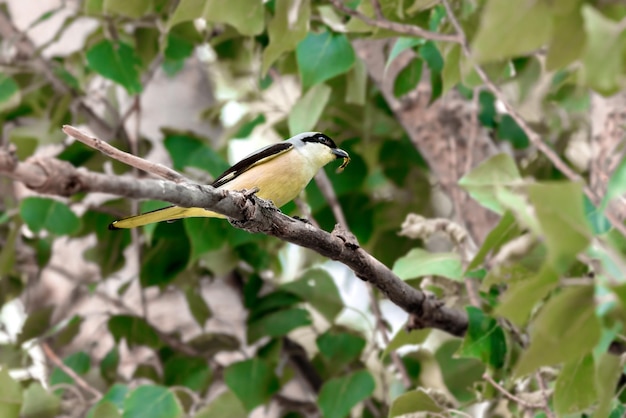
[(401, 28), (246, 211)]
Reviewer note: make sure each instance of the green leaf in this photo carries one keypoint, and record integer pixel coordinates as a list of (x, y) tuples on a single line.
[(603, 58), (408, 78), (109, 364), (151, 401), (559, 209), (104, 410), (572, 391), (522, 295), (505, 33), (339, 395), (568, 40), (484, 339), (247, 16), (285, 34), (212, 343), (205, 234), (430, 53), (306, 112), (44, 213), (116, 395), (404, 337), (37, 323), (323, 56), (38, 403), (134, 9), (253, 381), (482, 182), (451, 72), (225, 405), (167, 257), (459, 374), (133, 329), (318, 288), (412, 402), (595, 218), (280, 299), (616, 186), (108, 250), (277, 324), (510, 131), (568, 316), (191, 372), (9, 92), (10, 395), (418, 263), (609, 368), (340, 348), (400, 45), (179, 47), (93, 7), (506, 230), (197, 305), (188, 150), (116, 61), (356, 87), (70, 330)]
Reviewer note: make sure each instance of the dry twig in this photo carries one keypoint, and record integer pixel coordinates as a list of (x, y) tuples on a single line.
[(71, 373), (124, 157), (402, 28)]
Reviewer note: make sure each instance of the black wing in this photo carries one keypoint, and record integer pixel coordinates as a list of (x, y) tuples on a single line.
[(250, 161)]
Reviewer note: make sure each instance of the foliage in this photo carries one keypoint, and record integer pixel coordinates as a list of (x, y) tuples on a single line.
[(548, 275)]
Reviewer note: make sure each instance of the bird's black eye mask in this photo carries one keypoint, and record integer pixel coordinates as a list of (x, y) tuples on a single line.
[(322, 139)]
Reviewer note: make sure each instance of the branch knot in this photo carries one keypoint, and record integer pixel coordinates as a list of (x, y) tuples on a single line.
[(60, 177)]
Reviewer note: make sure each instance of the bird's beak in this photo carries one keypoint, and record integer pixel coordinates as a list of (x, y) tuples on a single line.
[(339, 153)]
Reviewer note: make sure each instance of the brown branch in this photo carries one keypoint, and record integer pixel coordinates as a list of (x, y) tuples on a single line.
[(382, 329), (544, 396), (533, 136), (509, 395), (326, 188), (401, 28), (71, 373), (48, 175), (129, 159)]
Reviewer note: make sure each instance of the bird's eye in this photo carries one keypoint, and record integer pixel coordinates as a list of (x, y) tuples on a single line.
[(322, 139)]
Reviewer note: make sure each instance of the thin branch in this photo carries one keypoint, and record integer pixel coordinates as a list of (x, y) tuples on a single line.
[(149, 167), (544, 395), (533, 136), (246, 211), (380, 325), (378, 10), (326, 188), (509, 395), (401, 28), (71, 373)]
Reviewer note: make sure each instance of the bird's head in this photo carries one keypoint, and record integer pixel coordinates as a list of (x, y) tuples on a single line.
[(319, 149)]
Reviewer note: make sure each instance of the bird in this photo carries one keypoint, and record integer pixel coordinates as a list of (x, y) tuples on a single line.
[(279, 172)]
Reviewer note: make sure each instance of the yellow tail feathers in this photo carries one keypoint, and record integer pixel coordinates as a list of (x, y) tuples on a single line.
[(169, 213)]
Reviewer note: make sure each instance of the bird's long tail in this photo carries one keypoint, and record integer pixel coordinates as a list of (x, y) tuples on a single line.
[(169, 213)]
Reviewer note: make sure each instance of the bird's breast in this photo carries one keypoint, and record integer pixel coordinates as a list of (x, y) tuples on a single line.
[(276, 180)]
